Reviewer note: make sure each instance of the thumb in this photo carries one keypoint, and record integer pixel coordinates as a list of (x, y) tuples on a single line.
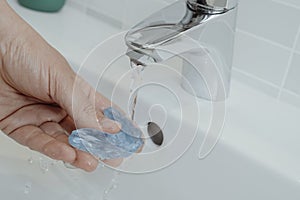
[(80, 100)]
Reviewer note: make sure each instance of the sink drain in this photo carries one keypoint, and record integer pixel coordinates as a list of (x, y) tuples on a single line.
[(155, 133)]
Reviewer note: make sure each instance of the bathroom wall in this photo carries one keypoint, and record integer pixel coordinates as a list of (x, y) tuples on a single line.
[(267, 48)]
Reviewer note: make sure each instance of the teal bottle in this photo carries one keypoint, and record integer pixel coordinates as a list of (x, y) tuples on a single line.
[(43, 5)]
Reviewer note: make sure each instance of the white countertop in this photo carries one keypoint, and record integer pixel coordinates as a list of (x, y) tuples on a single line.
[(257, 125), (265, 129)]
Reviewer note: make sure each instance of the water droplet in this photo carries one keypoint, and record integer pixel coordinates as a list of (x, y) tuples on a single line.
[(27, 187), (53, 163), (30, 160), (89, 163), (77, 140), (105, 198), (44, 165), (89, 144), (112, 185)]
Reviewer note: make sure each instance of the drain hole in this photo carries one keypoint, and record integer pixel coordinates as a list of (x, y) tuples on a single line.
[(155, 133)]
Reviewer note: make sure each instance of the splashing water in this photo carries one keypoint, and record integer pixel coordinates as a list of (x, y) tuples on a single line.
[(28, 184), (112, 185), (30, 160), (44, 165), (27, 187)]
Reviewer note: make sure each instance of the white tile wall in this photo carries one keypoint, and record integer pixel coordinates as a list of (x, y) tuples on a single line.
[(267, 38), (255, 82), (262, 59), (298, 45), (268, 34), (269, 19), (293, 79), (290, 97)]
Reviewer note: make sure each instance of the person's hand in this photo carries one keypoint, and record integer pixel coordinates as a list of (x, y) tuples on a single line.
[(38, 106)]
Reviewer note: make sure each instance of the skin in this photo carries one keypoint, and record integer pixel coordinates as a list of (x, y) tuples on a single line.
[(38, 106)]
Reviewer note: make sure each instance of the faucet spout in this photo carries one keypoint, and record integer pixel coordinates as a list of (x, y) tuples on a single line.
[(201, 32)]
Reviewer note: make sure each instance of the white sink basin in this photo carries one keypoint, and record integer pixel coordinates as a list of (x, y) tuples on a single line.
[(236, 169)]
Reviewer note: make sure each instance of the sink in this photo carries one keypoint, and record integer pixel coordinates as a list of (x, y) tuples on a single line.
[(251, 153), (187, 165)]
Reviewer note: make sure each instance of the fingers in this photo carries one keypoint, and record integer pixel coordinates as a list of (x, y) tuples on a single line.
[(105, 125), (67, 124), (57, 148), (35, 138), (114, 162), (79, 100), (55, 131), (32, 115), (83, 160)]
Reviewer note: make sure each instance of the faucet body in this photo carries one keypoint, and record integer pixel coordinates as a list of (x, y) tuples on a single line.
[(201, 32)]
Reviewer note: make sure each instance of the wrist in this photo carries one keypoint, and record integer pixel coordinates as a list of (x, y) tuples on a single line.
[(11, 25), (5, 17)]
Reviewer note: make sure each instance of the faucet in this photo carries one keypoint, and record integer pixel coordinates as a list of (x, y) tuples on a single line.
[(201, 33)]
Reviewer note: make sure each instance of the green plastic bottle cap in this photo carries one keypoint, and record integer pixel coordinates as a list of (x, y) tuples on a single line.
[(43, 5)]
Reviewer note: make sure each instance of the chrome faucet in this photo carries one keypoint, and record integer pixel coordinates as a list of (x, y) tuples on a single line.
[(201, 32)]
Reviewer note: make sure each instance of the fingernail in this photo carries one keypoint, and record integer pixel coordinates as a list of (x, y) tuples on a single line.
[(108, 124)]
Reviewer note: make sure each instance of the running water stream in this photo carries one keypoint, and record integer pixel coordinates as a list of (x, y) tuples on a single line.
[(137, 78), (136, 82)]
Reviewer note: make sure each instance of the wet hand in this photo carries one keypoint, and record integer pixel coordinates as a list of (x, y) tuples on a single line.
[(38, 107)]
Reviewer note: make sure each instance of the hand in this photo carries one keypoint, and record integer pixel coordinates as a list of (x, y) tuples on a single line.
[(38, 106)]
